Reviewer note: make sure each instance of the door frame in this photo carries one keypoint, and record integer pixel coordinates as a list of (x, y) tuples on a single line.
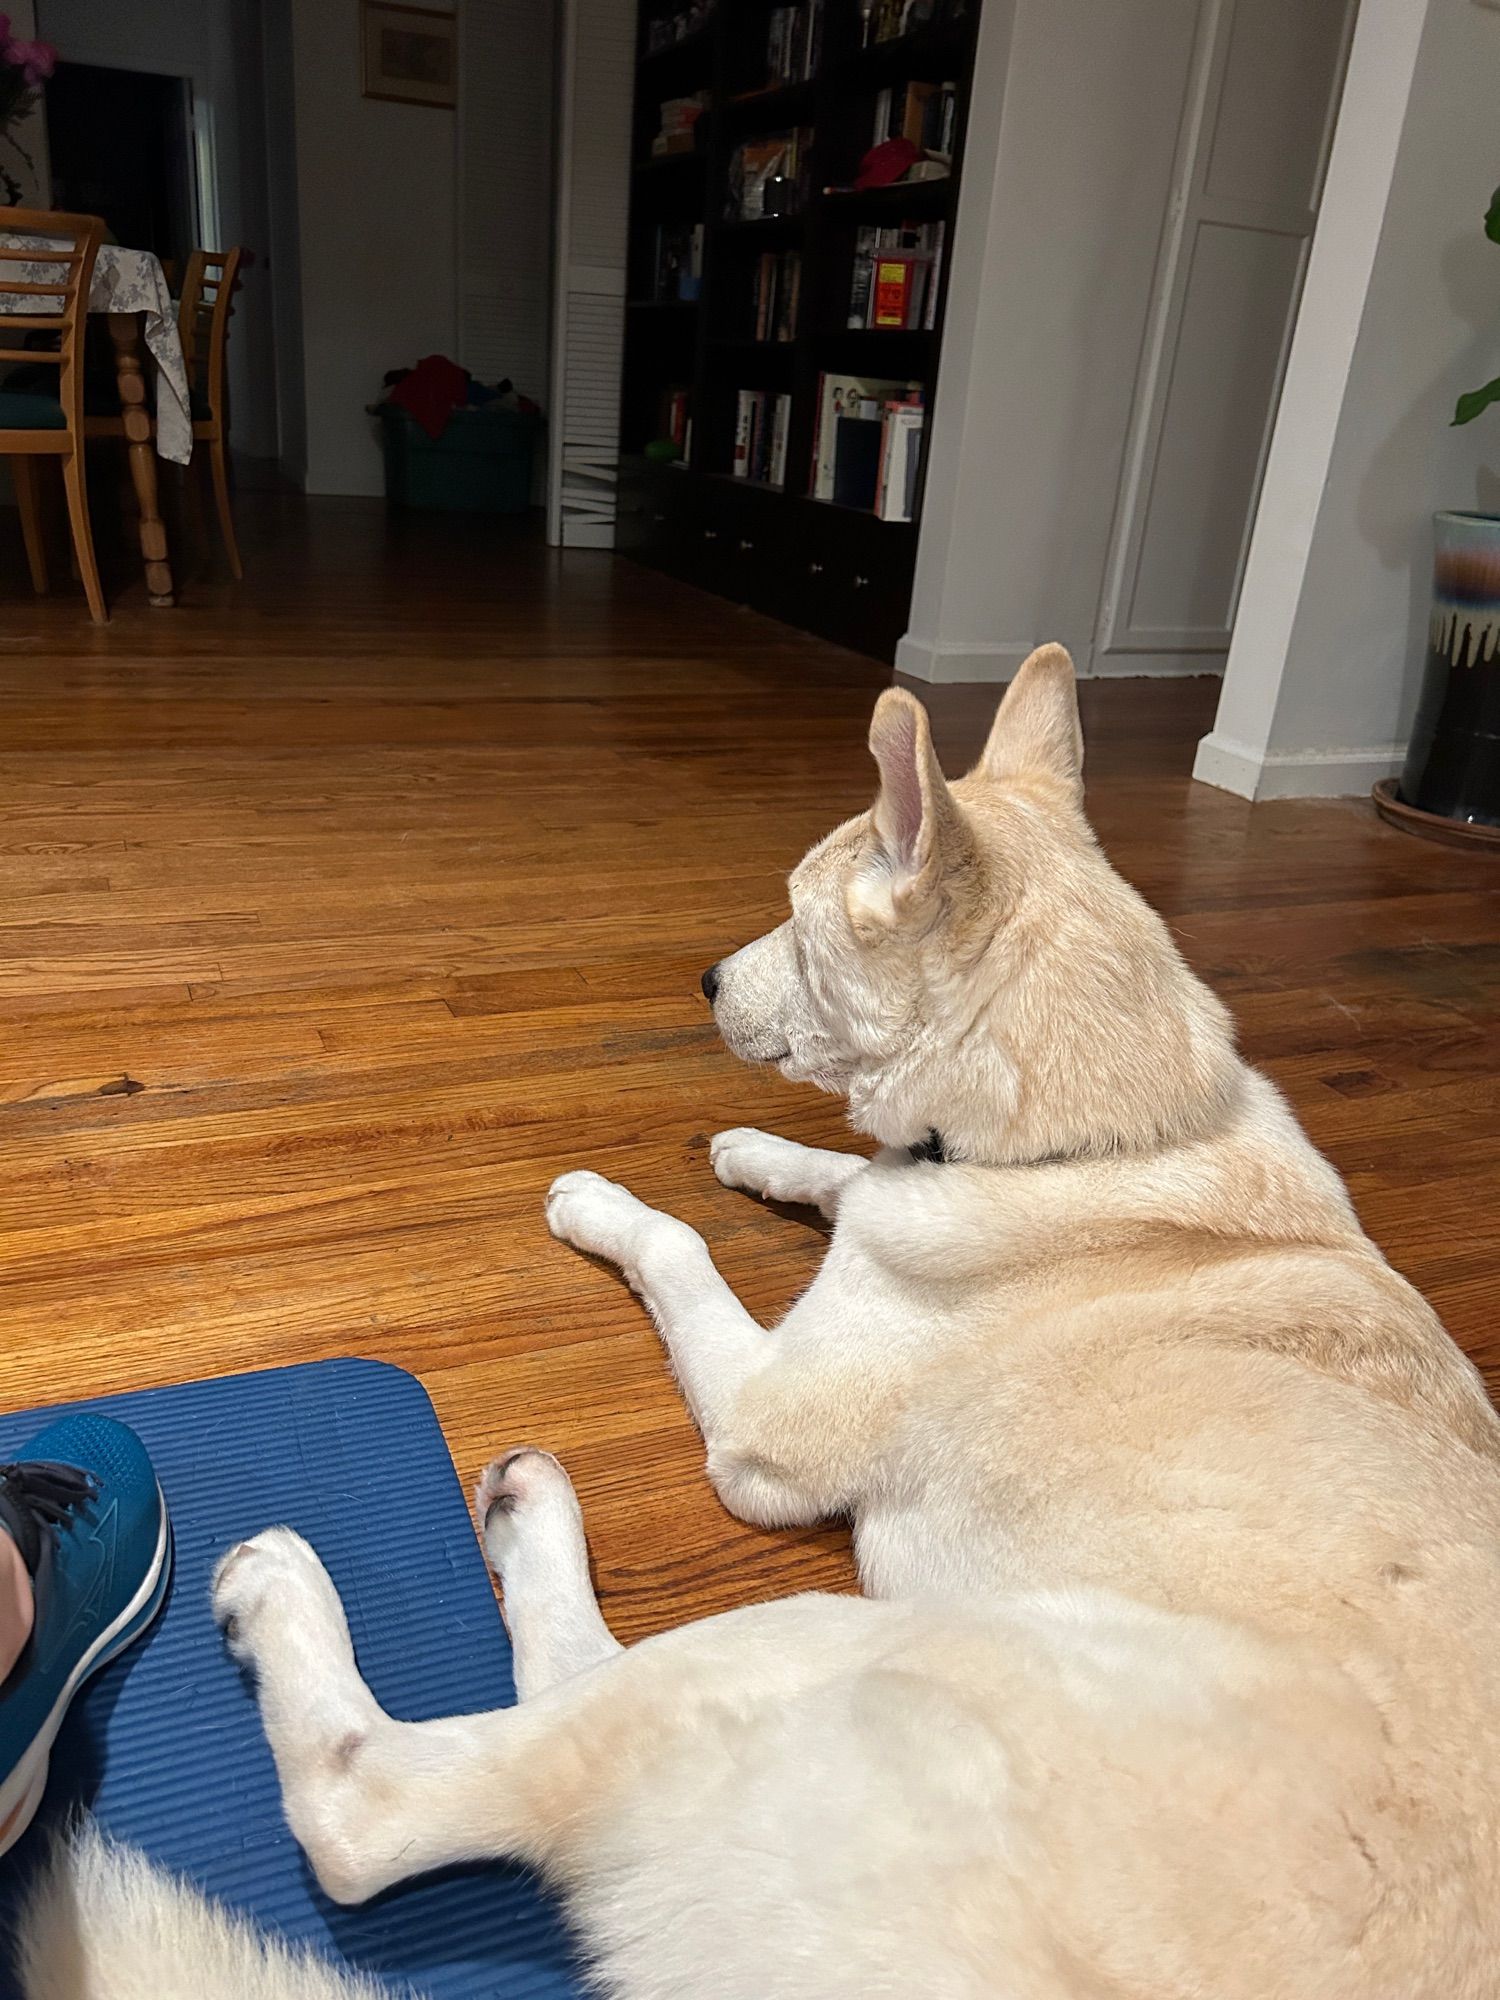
[(1190, 649)]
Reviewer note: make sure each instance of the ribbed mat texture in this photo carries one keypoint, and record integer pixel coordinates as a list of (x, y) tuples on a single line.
[(165, 1745)]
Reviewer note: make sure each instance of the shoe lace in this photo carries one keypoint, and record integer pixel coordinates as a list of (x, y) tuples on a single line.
[(38, 1495)]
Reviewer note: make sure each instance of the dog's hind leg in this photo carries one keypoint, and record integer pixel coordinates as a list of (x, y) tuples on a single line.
[(533, 1536), (370, 1799), (373, 1801), (781, 1170)]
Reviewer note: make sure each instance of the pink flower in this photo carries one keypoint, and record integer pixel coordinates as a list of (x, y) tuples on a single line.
[(36, 59)]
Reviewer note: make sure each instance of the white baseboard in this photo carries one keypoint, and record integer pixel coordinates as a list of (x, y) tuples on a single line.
[(584, 534), (943, 660), (1154, 666), (1294, 774), (939, 660)]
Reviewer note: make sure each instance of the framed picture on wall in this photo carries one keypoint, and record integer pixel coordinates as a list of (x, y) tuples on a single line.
[(410, 54)]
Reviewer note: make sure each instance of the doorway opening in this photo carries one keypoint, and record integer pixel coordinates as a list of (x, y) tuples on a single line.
[(122, 147)]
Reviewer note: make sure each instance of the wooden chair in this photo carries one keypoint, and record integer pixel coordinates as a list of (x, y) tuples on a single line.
[(203, 325), (41, 423), (203, 311)]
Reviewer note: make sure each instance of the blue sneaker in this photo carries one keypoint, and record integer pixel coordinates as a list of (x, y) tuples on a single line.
[(83, 1505)]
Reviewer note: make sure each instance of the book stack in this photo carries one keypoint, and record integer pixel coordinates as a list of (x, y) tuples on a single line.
[(894, 283), (922, 112), (794, 43), (868, 444), (678, 274), (778, 283), (760, 434), (679, 119), (767, 176)]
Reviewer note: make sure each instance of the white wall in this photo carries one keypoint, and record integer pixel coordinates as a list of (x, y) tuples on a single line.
[(1067, 169), (376, 222), (1401, 312)]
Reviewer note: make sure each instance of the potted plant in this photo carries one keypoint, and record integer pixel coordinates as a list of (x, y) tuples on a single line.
[(24, 67)]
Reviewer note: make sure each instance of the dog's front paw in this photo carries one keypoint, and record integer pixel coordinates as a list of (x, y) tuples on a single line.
[(598, 1216), (759, 1162)]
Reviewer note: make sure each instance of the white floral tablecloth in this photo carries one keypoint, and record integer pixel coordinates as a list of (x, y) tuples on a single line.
[(124, 281)]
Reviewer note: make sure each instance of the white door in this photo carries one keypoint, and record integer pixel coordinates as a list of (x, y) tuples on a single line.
[(588, 278), (1254, 141)]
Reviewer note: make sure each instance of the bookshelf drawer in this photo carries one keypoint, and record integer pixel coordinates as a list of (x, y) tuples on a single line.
[(852, 579)]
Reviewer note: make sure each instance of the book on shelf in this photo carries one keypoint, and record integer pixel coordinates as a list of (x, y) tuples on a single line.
[(767, 175), (924, 113), (902, 430), (676, 417), (762, 421), (848, 464), (678, 277), (777, 285), (679, 119), (894, 277)]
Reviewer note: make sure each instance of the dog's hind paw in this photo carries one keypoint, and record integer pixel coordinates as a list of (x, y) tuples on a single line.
[(528, 1491), (274, 1588)]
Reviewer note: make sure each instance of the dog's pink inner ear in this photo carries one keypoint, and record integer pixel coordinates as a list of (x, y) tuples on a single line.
[(902, 805)]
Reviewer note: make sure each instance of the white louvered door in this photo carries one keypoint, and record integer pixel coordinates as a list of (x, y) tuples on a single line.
[(588, 299)]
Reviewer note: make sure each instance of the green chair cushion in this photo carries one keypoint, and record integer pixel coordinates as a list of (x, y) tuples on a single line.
[(20, 411)]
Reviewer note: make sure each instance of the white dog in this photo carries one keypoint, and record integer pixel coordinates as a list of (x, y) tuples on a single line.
[(1178, 1674)]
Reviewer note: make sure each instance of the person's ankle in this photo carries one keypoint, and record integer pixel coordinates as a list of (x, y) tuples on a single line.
[(16, 1604)]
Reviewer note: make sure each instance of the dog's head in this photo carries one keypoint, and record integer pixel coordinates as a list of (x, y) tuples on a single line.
[(962, 958)]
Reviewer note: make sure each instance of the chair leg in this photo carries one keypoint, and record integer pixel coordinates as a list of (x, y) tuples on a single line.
[(219, 460), (75, 482), (29, 501)]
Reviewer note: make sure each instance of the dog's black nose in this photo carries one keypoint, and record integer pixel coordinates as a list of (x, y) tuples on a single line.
[(710, 984)]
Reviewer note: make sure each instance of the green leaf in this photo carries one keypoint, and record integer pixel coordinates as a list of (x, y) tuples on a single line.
[(1470, 404), (1492, 218)]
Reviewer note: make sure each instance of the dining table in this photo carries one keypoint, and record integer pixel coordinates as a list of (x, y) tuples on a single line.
[(129, 290)]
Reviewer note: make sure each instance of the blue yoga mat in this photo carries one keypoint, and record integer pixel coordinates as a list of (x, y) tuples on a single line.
[(165, 1745)]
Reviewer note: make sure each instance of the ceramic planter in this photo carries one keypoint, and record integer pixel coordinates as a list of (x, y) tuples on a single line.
[(1452, 768)]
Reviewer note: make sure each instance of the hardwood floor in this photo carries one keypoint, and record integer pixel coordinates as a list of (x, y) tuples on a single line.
[(344, 909)]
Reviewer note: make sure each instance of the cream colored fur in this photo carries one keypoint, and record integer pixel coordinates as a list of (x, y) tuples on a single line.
[(1177, 1676), (104, 1925)]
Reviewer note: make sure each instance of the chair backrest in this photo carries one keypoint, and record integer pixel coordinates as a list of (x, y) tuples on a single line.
[(46, 265), (203, 321)]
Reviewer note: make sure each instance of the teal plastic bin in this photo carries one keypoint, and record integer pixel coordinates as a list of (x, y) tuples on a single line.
[(480, 465)]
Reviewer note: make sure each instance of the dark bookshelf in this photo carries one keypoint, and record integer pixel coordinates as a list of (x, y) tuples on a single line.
[(835, 569)]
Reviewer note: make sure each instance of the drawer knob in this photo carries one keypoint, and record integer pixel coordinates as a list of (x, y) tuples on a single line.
[(710, 534), (815, 569), (658, 517), (861, 583), (747, 545)]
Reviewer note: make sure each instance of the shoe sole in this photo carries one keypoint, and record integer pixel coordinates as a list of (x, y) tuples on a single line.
[(22, 1791)]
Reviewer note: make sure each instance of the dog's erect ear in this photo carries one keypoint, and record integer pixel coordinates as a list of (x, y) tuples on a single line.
[(1036, 732), (915, 816)]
